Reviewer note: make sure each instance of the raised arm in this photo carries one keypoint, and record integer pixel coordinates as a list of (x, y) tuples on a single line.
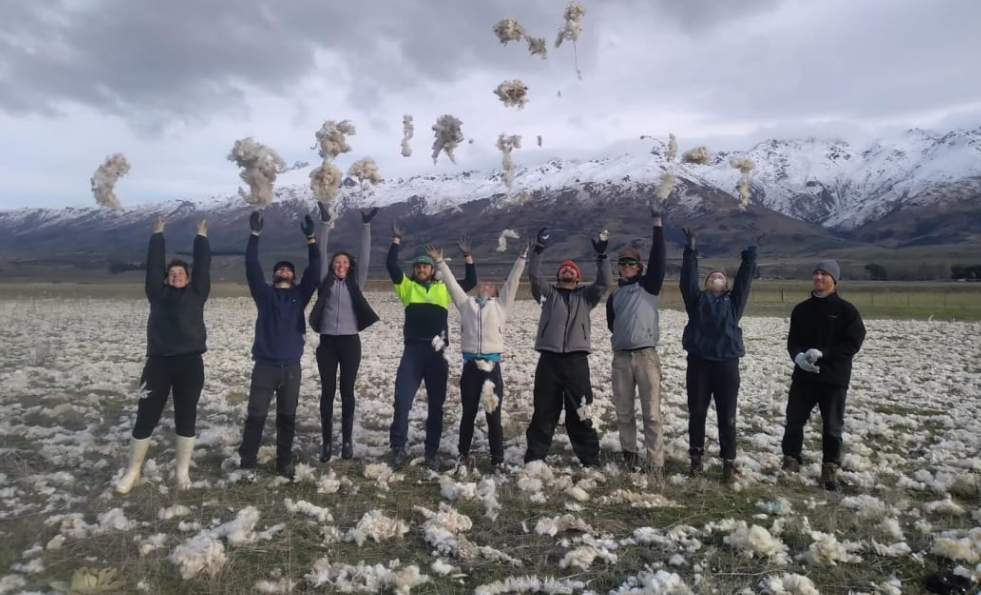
[(744, 278), (311, 275), (392, 262), (510, 290), (201, 269), (456, 292), (322, 235), (653, 278), (689, 271), (594, 291), (156, 266), (364, 256), (470, 276)]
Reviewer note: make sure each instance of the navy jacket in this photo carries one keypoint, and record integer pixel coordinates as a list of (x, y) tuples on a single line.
[(713, 332), (176, 322), (280, 324)]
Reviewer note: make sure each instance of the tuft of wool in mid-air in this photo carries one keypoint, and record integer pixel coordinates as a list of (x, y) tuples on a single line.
[(508, 30), (672, 151), (365, 171), (502, 240), (745, 165), (448, 136), (260, 165), (570, 31), (537, 46), (505, 144), (408, 130), (325, 182), (105, 178), (539, 140), (698, 155), (332, 138), (664, 186), (512, 93)]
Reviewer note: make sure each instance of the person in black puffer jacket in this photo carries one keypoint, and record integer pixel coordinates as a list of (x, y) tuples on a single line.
[(825, 334), (714, 343), (176, 340)]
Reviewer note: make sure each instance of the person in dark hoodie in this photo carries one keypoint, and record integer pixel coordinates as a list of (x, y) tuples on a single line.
[(340, 313), (632, 317), (825, 334), (714, 343), (278, 345), (426, 301), (563, 343), (176, 340)]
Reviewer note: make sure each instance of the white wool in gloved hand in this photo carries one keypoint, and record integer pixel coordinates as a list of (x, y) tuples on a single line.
[(804, 364), (813, 355)]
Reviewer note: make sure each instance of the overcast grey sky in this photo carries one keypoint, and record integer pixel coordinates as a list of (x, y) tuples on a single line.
[(173, 84)]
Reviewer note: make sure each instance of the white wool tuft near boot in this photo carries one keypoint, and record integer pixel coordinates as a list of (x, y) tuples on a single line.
[(137, 452), (184, 447)]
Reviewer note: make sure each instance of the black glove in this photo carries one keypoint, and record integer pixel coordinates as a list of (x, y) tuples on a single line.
[(749, 253), (541, 239), (324, 211), (600, 245), (397, 229), (689, 238), (367, 217), (657, 209), (256, 221), (466, 244), (307, 226)]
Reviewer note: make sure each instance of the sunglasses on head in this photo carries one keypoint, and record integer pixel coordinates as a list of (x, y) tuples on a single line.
[(626, 262)]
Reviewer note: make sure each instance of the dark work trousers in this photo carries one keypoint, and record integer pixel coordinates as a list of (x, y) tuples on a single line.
[(182, 373), (268, 380), (707, 381), (803, 398), (335, 352), (562, 380), (420, 363), (471, 388)]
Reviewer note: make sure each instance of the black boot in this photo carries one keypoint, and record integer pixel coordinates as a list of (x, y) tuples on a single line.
[(397, 459), (327, 448), (630, 460), (251, 438), (347, 430), (285, 429)]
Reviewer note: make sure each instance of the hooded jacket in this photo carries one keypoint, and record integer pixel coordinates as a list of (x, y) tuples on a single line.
[(564, 325), (713, 332), (343, 298), (176, 322)]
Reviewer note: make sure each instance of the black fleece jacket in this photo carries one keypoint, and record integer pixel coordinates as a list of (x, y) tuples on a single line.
[(833, 326), (176, 322)]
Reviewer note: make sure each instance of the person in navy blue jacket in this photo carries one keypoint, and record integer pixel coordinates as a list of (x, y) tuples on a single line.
[(278, 345), (714, 343)]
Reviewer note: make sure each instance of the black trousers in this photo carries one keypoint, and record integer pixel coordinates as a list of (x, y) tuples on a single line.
[(184, 374), (338, 352), (471, 387), (284, 383), (803, 398), (707, 381), (562, 380)]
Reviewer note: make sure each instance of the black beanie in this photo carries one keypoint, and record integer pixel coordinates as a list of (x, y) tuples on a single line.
[(284, 263)]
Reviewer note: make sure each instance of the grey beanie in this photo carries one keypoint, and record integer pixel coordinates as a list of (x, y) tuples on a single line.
[(830, 267)]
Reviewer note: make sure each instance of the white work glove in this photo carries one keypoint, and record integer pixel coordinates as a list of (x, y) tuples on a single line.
[(804, 364), (813, 355)]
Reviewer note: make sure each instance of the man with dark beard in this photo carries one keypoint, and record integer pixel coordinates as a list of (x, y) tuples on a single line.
[(278, 345), (563, 342)]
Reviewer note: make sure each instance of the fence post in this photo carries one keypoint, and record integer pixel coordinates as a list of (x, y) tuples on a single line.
[(907, 300), (781, 296), (872, 299)]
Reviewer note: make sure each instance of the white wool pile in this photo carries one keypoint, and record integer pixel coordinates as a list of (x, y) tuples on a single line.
[(278, 585), (177, 510), (12, 582), (55, 542), (325, 181), (577, 493), (560, 524), (531, 585), (487, 492), (638, 500), (488, 398), (826, 550), (345, 578), (508, 30), (672, 151), (781, 506), (443, 532), (586, 411), (452, 491), (583, 557), (376, 526), (201, 553), (945, 506), (757, 541), (332, 138), (513, 93), (380, 473), (895, 550), (891, 528), (260, 165), (745, 165), (502, 245), (506, 144), (964, 549), (699, 156), (313, 511), (408, 131), (304, 473), (448, 135), (440, 567), (650, 582), (868, 507), (788, 584), (152, 543), (328, 484), (683, 537), (104, 180), (664, 186), (534, 476)]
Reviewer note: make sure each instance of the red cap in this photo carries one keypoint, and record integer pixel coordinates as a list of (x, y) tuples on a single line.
[(573, 265)]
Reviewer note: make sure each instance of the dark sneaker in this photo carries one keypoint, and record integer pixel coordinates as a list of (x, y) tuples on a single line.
[(695, 469), (729, 472), (432, 463), (286, 471), (791, 465), (829, 477), (247, 464), (630, 460), (326, 452), (397, 459), (347, 450)]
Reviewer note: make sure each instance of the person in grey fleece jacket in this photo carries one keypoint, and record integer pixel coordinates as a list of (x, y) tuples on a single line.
[(482, 320), (632, 317), (563, 342)]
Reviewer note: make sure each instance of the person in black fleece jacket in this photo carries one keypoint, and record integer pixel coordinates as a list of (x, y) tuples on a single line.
[(825, 334), (176, 339), (278, 345)]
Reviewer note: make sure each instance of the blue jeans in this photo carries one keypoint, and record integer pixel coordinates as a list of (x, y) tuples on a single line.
[(420, 362)]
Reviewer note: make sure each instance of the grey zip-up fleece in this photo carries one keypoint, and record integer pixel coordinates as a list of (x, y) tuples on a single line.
[(564, 326), (339, 317)]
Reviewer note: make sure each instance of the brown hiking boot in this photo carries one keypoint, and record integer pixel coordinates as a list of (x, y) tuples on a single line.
[(791, 465), (696, 467), (829, 477), (729, 472)]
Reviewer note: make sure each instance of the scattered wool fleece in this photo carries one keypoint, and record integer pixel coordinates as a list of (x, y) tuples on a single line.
[(346, 578), (530, 585), (826, 550), (788, 584), (757, 541), (376, 526)]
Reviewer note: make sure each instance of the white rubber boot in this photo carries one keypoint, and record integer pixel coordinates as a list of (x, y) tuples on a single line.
[(137, 452), (184, 447)]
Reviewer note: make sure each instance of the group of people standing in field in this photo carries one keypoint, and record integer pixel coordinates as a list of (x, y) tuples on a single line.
[(825, 333)]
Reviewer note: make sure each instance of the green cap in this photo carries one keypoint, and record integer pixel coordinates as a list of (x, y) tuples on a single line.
[(424, 260)]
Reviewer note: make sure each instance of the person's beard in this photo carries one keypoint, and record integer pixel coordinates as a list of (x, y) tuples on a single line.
[(281, 279)]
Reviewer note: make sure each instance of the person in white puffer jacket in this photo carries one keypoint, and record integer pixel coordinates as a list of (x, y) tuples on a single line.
[(482, 321)]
